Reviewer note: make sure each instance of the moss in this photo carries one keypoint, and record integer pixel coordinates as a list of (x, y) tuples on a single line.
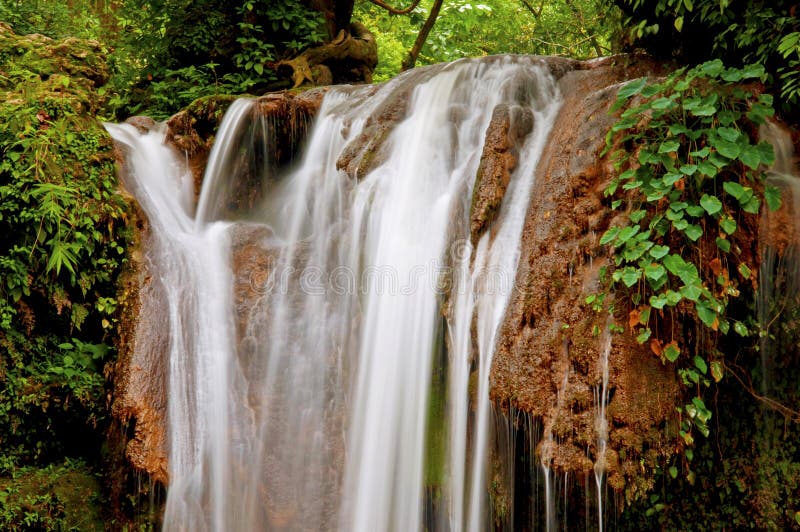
[(56, 497)]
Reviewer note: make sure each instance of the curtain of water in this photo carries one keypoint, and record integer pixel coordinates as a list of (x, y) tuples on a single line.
[(308, 408)]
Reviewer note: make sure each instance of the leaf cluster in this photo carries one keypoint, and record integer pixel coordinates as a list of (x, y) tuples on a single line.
[(691, 172), (737, 32)]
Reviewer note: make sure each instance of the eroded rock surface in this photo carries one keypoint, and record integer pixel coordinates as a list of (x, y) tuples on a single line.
[(548, 362), (504, 136)]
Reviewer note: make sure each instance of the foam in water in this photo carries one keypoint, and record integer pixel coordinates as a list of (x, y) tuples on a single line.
[(307, 406)]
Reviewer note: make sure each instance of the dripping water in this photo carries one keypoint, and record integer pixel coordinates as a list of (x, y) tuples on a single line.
[(601, 423)]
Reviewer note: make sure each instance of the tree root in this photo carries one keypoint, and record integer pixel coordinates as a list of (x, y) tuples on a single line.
[(350, 57)]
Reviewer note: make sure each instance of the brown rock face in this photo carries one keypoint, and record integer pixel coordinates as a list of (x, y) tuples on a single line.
[(549, 354), (192, 130), (504, 136)]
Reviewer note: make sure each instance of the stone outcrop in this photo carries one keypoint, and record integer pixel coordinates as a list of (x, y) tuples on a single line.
[(192, 130), (506, 132), (548, 362)]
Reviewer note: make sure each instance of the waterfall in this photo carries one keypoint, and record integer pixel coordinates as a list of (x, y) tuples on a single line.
[(302, 393), (779, 276)]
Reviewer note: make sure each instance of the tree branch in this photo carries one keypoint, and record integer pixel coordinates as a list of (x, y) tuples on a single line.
[(772, 404), (422, 36), (535, 12), (394, 10), (578, 13)]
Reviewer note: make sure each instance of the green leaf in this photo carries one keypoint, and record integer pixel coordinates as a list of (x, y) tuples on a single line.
[(728, 133), (700, 364), (673, 298), (655, 271), (716, 371), (673, 471), (706, 168), (695, 211), (631, 275), (711, 204), (609, 236), (767, 152), (658, 252), (662, 103), (630, 89), (723, 244), (669, 146), (259, 68), (694, 232), (674, 215), (706, 314), (680, 225), (751, 157), (741, 329), (627, 232), (658, 302), (688, 169), (744, 271), (712, 68), (734, 189), (753, 71), (674, 263), (727, 224), (636, 216), (772, 195), (670, 178), (732, 75), (730, 150), (691, 292), (752, 205), (671, 352), (643, 336)]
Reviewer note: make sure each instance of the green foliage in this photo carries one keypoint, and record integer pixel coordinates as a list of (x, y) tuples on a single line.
[(691, 174), (574, 28), (62, 497), (53, 18), (741, 32), (202, 48), (63, 227)]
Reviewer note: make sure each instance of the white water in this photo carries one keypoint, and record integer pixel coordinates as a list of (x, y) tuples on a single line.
[(779, 276), (307, 409), (601, 423)]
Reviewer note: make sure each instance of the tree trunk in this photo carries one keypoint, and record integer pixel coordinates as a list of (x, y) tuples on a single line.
[(350, 57), (338, 14)]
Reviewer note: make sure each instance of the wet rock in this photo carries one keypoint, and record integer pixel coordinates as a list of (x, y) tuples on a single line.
[(504, 136), (192, 130), (141, 123), (549, 350)]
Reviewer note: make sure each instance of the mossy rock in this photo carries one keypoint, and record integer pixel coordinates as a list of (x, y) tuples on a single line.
[(55, 497)]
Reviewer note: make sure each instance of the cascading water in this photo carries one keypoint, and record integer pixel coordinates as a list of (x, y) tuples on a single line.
[(779, 278), (309, 407)]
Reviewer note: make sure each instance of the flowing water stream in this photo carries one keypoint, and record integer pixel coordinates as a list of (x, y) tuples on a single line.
[(310, 402)]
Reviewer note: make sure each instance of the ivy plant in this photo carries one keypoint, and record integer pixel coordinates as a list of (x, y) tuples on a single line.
[(690, 172)]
